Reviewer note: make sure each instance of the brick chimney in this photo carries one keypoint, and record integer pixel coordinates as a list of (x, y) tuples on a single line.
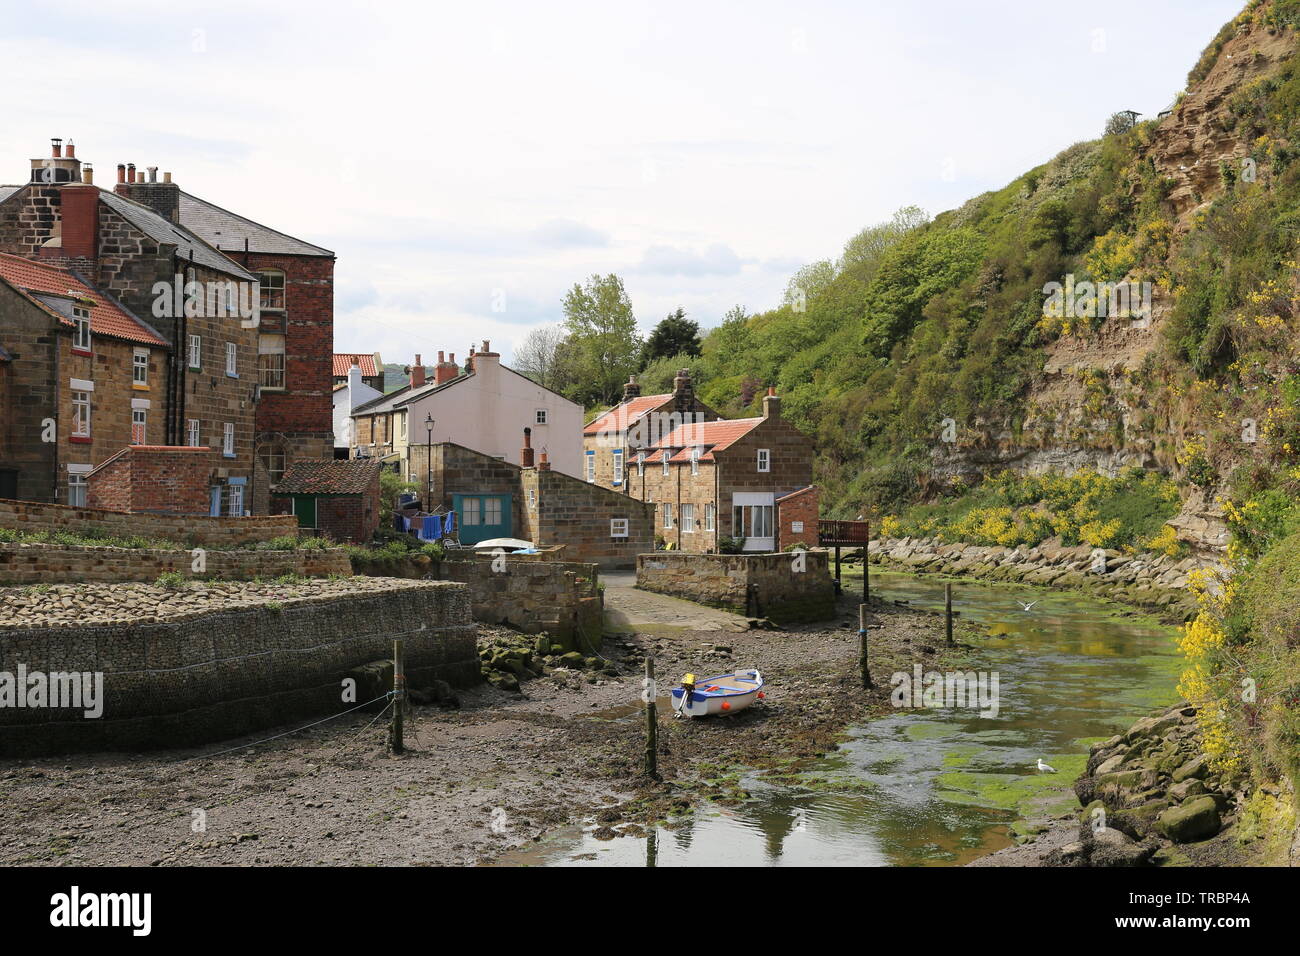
[(487, 362), (58, 167), (683, 392), (526, 453), (544, 464), (416, 372), (80, 211), (631, 390), (164, 197), (771, 404), (446, 369)]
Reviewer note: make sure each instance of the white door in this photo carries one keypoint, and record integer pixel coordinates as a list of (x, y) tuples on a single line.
[(753, 518)]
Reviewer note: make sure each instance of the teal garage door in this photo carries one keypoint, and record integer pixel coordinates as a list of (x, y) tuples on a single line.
[(482, 517)]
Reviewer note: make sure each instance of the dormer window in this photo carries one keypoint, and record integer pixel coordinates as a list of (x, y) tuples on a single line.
[(80, 329)]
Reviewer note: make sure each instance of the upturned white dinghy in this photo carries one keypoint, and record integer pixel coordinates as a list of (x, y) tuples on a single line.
[(727, 694)]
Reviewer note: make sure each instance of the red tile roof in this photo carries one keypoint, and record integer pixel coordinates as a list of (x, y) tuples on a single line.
[(343, 363), (713, 436), (624, 414), (106, 317)]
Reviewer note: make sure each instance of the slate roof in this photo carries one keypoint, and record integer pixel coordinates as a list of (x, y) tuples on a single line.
[(326, 476), (227, 231), (709, 436), (107, 317), (186, 242), (7, 191), (625, 414), (343, 364)]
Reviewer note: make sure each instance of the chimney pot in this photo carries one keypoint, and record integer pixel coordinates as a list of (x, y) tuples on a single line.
[(72, 150), (87, 174), (487, 346), (526, 453), (121, 172), (417, 373), (167, 177), (544, 464), (153, 174), (56, 147)]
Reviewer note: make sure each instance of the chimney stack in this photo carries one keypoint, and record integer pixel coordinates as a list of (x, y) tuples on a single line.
[(544, 464), (683, 392), (771, 404), (121, 172), (631, 390), (526, 453), (79, 206), (416, 372)]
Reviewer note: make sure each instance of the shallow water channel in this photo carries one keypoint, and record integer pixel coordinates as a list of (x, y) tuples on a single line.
[(939, 786)]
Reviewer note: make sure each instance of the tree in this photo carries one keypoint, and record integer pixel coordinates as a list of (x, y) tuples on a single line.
[(538, 355), (862, 253), (603, 339), (808, 283), (675, 335)]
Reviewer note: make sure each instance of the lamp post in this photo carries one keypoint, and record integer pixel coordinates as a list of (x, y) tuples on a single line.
[(428, 462)]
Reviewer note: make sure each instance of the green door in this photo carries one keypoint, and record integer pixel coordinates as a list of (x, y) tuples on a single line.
[(305, 508), (482, 517)]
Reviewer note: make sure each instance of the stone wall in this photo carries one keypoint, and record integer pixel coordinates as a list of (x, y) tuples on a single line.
[(790, 587), (36, 563), (1145, 579), (562, 510), (532, 594), (217, 674), (191, 530)]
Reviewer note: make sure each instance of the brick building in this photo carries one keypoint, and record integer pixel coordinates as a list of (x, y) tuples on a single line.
[(612, 440), (747, 479), (295, 337), (80, 378), (335, 499), (151, 478), (244, 315), (493, 498), (371, 365)]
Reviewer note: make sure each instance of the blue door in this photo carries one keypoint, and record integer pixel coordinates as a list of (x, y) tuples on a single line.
[(482, 517)]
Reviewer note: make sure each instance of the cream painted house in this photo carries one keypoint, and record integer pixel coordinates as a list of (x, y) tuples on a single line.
[(485, 408)]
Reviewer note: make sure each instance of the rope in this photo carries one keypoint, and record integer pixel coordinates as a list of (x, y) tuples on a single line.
[(289, 732)]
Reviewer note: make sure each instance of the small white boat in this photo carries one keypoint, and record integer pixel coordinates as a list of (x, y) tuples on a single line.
[(727, 694)]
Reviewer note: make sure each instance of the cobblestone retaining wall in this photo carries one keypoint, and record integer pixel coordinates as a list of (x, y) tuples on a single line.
[(785, 587)]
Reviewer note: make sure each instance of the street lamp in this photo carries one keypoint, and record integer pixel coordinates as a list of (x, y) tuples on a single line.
[(428, 461)]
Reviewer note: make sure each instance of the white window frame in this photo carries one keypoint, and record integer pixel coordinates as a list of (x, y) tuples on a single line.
[(688, 517), (540, 417), (194, 432), (228, 439), (618, 527), (695, 460), (640, 464), (617, 455), (140, 367), (194, 358), (139, 418), (82, 340), (77, 488), (270, 369), (267, 291), (764, 462), (710, 516), (81, 412), (491, 505), (668, 514), (232, 360), (667, 467), (591, 466)]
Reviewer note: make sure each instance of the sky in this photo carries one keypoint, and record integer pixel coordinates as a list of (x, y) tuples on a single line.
[(469, 162)]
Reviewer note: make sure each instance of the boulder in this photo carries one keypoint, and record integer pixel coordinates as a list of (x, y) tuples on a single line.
[(1198, 766), (1194, 819)]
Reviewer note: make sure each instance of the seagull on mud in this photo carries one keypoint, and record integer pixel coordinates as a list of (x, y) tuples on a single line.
[(1026, 607), (1044, 767)]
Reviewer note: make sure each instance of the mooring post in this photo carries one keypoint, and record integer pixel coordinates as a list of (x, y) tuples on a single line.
[(839, 589), (399, 697), (947, 611), (649, 694), (862, 645), (866, 576)]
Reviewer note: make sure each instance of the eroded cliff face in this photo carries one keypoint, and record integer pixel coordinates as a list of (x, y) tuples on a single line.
[(1096, 403)]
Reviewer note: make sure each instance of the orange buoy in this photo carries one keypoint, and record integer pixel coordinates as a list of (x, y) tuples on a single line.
[(761, 695), (726, 705)]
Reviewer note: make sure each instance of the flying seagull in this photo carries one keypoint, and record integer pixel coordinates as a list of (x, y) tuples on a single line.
[(1026, 607), (1045, 768)]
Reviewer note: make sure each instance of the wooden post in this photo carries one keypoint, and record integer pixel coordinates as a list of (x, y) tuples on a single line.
[(838, 587), (947, 611), (651, 727), (399, 697), (866, 576), (862, 646)]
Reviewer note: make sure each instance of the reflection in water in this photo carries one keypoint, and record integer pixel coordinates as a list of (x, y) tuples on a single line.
[(932, 787)]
